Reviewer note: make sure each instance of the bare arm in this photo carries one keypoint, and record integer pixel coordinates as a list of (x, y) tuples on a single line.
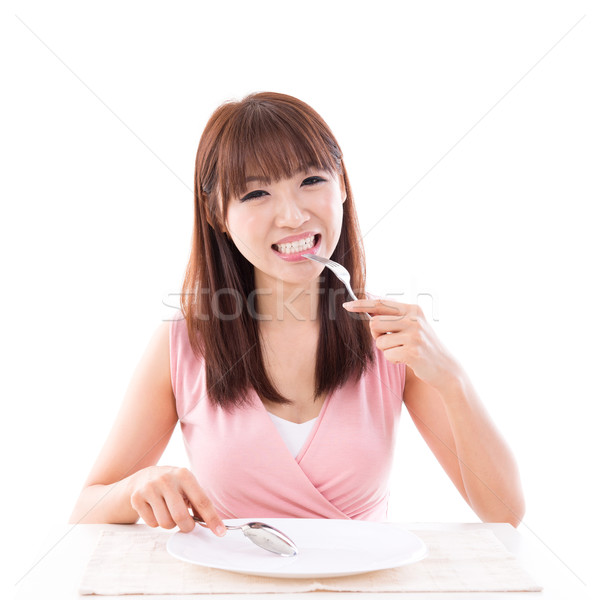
[(447, 411), (465, 441), (124, 482)]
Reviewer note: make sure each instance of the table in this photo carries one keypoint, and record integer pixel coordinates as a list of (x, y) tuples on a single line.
[(61, 560)]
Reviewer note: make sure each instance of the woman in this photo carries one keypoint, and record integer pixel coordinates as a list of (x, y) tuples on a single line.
[(288, 399)]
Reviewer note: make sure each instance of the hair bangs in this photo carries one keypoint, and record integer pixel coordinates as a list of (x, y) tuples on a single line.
[(267, 143)]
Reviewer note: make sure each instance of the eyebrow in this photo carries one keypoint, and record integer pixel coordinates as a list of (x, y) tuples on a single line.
[(258, 178)]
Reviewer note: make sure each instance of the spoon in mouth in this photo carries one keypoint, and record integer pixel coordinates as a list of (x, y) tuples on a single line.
[(263, 535)]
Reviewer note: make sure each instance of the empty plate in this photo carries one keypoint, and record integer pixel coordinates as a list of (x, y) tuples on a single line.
[(326, 548)]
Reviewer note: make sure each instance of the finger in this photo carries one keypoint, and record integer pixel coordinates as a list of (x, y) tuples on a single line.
[(393, 340), (161, 513), (178, 509), (380, 306), (202, 505), (146, 513), (388, 323), (397, 354)]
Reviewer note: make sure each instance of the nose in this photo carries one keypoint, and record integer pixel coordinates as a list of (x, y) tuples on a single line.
[(290, 213)]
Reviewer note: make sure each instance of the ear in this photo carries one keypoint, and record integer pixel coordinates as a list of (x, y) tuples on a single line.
[(343, 188), (212, 222)]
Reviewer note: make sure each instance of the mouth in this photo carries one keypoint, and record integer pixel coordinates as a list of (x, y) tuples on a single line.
[(293, 252)]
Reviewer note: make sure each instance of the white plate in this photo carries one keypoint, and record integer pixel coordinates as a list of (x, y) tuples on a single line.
[(326, 548)]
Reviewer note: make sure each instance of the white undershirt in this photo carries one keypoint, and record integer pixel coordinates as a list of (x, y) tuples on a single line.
[(293, 434)]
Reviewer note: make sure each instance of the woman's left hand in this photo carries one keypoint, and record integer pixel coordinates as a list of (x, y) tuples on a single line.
[(405, 336)]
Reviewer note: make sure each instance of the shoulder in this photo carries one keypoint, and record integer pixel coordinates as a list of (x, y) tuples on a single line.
[(175, 329), (185, 364), (156, 359)]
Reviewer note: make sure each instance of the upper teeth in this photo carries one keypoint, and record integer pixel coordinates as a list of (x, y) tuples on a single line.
[(297, 246)]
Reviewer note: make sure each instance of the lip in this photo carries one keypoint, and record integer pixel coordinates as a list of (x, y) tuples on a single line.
[(297, 256), (295, 238)]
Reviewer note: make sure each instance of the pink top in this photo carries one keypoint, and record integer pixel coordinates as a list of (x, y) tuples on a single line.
[(244, 466)]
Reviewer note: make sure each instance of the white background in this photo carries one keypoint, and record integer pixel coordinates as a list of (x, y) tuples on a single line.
[(470, 131)]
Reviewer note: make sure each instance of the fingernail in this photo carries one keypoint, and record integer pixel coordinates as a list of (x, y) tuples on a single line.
[(346, 304), (221, 530)]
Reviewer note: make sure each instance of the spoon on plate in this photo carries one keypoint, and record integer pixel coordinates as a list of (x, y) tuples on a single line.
[(263, 535)]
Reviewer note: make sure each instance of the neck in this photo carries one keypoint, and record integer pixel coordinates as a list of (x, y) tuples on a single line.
[(286, 305)]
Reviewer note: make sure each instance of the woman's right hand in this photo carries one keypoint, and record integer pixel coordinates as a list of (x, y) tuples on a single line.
[(162, 496)]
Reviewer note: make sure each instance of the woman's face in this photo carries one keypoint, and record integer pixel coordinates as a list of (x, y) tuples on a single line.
[(308, 206)]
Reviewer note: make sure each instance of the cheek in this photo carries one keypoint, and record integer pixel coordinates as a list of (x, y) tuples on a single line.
[(247, 233), (243, 224), (333, 213)]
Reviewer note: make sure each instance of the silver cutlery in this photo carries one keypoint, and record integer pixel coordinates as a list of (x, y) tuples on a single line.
[(338, 270), (263, 535)]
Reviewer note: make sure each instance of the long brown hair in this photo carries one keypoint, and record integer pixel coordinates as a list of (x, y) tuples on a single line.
[(274, 136)]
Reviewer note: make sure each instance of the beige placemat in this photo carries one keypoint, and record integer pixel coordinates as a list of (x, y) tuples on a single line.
[(459, 561)]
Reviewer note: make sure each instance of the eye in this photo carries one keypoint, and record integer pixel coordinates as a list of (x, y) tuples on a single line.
[(255, 194), (258, 193), (313, 180)]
